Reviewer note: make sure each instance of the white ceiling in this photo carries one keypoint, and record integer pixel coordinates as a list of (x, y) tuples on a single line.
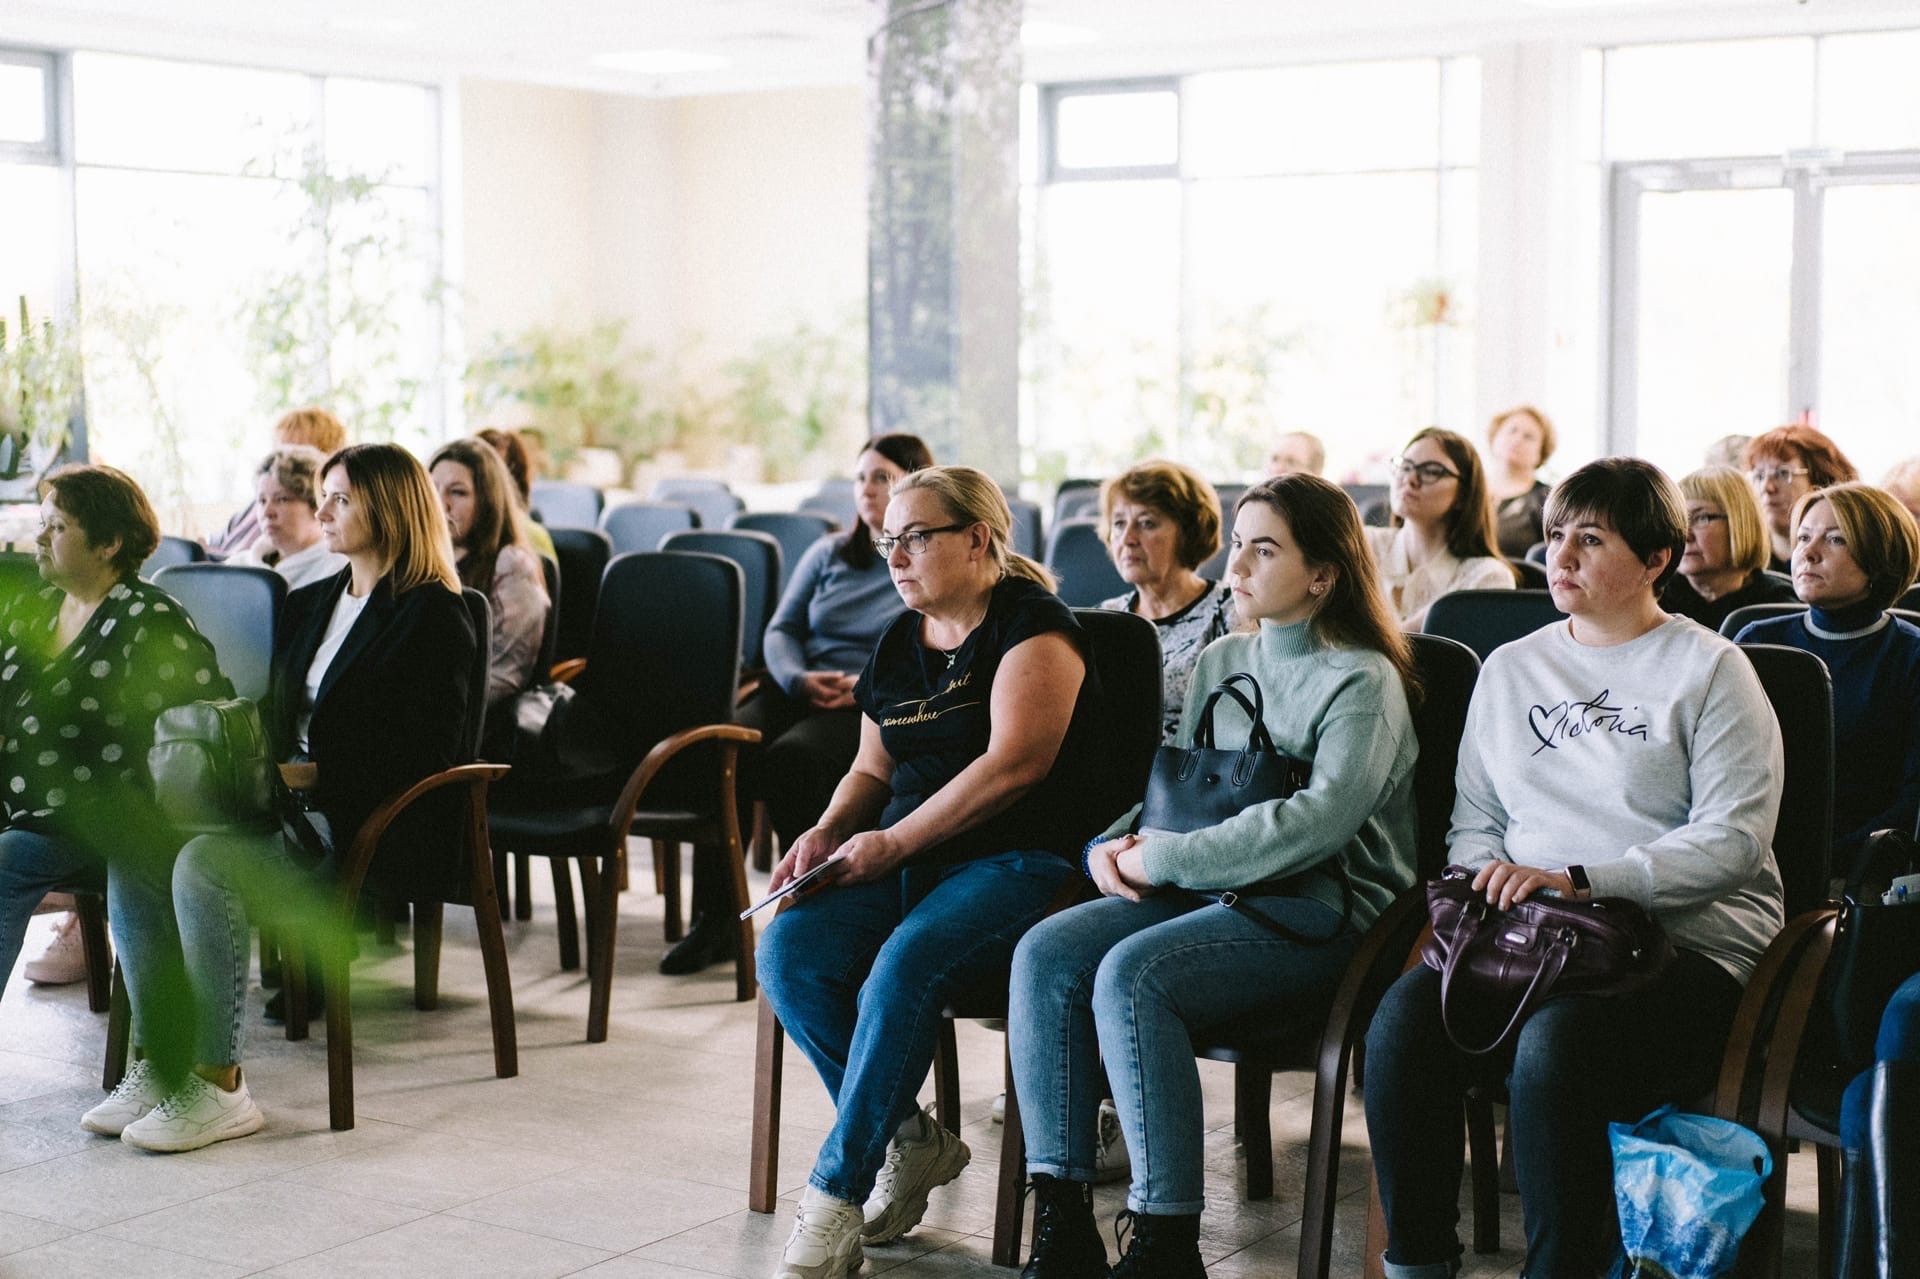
[(785, 43)]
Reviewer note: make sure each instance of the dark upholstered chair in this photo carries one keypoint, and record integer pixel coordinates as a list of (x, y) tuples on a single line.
[(172, 550), (640, 526), (833, 499), (1028, 539), (1076, 499), (652, 750), (712, 500), (236, 608), (582, 555), (1747, 614), (1077, 555), (1484, 620), (560, 504), (758, 556), (1533, 577), (794, 530)]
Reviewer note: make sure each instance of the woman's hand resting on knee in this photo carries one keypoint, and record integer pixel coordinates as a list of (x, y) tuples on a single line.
[(1119, 868)]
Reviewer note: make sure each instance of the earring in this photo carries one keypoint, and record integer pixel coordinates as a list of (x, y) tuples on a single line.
[(1316, 588)]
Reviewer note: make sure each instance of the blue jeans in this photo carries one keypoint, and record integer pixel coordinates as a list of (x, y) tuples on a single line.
[(1579, 1063), (1899, 1040), (1141, 978), (860, 975)]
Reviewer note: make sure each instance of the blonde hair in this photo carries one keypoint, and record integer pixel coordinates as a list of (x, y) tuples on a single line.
[(312, 426), (1176, 492), (1548, 440), (1748, 545), (1881, 535), (404, 518), (971, 497)]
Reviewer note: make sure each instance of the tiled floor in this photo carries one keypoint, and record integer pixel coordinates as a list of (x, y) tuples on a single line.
[(625, 1159)]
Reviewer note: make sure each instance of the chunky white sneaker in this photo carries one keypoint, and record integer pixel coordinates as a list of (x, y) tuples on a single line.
[(998, 1115), (1110, 1161), (64, 961), (915, 1165), (196, 1114), (139, 1092), (825, 1243)]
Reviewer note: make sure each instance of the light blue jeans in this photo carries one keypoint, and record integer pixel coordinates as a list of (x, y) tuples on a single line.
[(860, 976), (1132, 982)]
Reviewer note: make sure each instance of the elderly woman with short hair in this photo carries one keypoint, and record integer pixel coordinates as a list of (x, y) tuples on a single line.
[(1724, 564), (1163, 523), (286, 497)]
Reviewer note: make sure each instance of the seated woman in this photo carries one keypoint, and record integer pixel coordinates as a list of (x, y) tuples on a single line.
[(86, 663), (838, 601), (290, 543), (1855, 550), (1133, 976), (977, 781), (1625, 754), (1519, 442), (494, 556), (1784, 465), (1878, 1232), (513, 451), (1724, 565), (314, 427), (1441, 538), (1163, 523), (371, 678)]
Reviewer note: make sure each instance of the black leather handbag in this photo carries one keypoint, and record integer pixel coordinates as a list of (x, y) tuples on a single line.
[(1194, 787), (212, 768)]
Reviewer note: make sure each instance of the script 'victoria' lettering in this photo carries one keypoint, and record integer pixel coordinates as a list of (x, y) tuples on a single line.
[(1553, 725)]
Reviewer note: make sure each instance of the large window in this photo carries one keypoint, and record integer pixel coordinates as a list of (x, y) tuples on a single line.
[(1217, 259)]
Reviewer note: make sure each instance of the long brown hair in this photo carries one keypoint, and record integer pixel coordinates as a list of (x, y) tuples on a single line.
[(1326, 527), (404, 519), (497, 521), (1469, 521)]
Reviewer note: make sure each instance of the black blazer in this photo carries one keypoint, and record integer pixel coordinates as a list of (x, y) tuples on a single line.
[(392, 709)]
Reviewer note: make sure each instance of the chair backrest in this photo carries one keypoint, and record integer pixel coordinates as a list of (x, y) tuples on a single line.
[(1537, 554), (562, 504), (1747, 614), (1077, 554), (794, 530), (1027, 537), (237, 608), (582, 554), (550, 630), (654, 668), (1076, 500), (1371, 500), (1798, 685), (639, 526), (1126, 656), (1533, 577), (758, 556), (172, 550), (711, 500), (1484, 620), (1448, 671), (480, 613), (833, 499)]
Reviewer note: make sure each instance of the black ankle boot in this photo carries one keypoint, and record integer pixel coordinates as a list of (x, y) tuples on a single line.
[(710, 940), (1066, 1240), (1893, 1146), (1162, 1248), (1853, 1219)]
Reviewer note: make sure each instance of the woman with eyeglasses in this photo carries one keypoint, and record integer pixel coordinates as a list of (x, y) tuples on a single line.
[(1441, 538), (1784, 465), (978, 780), (1724, 564)]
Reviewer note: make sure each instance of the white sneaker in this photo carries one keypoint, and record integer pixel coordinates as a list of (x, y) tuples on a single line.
[(999, 1115), (825, 1243), (139, 1091), (197, 1114), (64, 961), (1110, 1160), (915, 1165)]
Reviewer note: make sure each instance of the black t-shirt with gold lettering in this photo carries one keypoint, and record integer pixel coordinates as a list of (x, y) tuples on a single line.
[(936, 718)]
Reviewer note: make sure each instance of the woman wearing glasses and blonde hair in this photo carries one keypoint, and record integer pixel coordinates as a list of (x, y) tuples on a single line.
[(1441, 538), (977, 781), (1724, 564)]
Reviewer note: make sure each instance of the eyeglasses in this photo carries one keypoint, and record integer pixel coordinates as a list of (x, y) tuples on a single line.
[(915, 541), (1778, 474), (1420, 472), (1700, 519)]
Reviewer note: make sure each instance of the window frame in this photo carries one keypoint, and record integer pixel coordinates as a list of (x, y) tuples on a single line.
[(52, 148), (1051, 97)]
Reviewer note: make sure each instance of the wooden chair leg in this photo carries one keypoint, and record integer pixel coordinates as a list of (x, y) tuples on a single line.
[(605, 907), (563, 913), (293, 982), (763, 1164), (620, 862), (1827, 1166), (334, 969), (1323, 1157), (1252, 1106), (493, 957), (745, 983), (500, 871), (92, 910), (1009, 1209), (428, 918), (119, 1031), (1509, 1178), (385, 921), (1376, 1248), (659, 867), (762, 838), (946, 1078), (1483, 1154), (522, 889), (666, 860)]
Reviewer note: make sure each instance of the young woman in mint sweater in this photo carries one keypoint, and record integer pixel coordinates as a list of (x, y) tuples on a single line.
[(1130, 976)]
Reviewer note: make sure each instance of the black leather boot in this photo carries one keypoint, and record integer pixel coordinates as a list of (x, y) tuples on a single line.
[(714, 935), (1066, 1240), (1893, 1147), (1162, 1248), (1853, 1219)]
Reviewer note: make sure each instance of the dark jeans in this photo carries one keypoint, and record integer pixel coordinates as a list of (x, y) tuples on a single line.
[(802, 756), (1899, 1041), (1579, 1063)]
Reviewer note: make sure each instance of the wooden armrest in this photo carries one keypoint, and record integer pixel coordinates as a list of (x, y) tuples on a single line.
[(1753, 1019), (731, 737), (366, 841), (1797, 999), (302, 776), (568, 671), (1376, 965)]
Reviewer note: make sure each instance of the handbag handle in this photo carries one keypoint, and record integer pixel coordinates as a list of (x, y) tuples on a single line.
[(1256, 710), (1551, 962)]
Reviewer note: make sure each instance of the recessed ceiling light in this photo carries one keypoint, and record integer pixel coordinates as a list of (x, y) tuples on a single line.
[(1041, 34), (661, 61)]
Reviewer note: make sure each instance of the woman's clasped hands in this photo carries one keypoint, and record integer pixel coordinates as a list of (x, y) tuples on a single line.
[(1118, 867)]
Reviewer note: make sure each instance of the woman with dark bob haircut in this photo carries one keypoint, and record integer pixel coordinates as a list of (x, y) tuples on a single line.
[(86, 663), (1163, 523), (1624, 753), (1855, 550), (1442, 535), (1784, 465)]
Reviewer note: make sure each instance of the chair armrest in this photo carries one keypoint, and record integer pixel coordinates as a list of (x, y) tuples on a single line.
[(568, 671), (1756, 1020), (1376, 964), (476, 777), (1797, 1000), (731, 738)]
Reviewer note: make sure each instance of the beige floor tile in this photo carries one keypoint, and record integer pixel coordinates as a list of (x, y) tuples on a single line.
[(262, 1223), (110, 1182), (602, 1207), (17, 1234), (431, 1170), (440, 1247), (96, 1256)]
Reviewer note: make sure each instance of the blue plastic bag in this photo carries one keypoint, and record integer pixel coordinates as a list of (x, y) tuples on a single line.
[(1688, 1188)]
